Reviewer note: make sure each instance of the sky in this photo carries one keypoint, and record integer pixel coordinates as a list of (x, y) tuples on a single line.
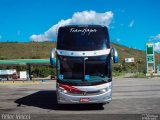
[(130, 22)]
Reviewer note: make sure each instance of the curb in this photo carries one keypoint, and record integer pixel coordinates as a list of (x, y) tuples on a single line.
[(19, 82)]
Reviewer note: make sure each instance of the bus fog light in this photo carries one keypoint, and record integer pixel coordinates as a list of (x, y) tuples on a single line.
[(104, 90), (62, 90)]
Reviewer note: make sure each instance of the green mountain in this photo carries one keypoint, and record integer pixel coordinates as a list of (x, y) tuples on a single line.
[(30, 50), (39, 50)]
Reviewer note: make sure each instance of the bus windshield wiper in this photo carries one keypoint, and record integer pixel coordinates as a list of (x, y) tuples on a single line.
[(84, 67)]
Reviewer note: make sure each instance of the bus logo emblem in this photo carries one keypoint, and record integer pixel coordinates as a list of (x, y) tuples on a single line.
[(84, 93)]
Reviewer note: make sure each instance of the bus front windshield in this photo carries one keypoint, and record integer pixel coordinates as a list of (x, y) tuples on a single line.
[(76, 68)]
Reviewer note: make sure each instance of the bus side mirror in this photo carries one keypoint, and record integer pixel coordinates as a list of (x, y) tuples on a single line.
[(115, 55), (52, 56)]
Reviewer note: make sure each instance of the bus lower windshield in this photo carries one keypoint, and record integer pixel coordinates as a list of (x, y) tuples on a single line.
[(76, 68)]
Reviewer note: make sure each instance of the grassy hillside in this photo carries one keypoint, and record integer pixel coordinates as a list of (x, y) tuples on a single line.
[(33, 50), (30, 50), (42, 50)]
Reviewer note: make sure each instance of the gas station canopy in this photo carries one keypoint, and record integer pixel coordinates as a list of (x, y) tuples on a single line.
[(25, 61)]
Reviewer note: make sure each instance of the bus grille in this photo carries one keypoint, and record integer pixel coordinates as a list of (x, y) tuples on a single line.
[(85, 93)]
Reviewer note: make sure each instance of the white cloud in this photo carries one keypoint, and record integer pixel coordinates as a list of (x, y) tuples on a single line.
[(157, 37), (131, 23), (84, 17), (157, 46)]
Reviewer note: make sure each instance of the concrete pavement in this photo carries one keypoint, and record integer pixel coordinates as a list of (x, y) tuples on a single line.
[(132, 97)]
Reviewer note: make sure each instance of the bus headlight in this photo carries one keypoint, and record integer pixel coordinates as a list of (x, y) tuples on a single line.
[(62, 90), (104, 90)]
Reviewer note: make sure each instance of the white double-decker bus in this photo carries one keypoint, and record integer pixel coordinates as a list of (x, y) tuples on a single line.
[(83, 61)]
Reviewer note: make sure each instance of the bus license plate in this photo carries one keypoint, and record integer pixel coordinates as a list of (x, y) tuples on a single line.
[(84, 99)]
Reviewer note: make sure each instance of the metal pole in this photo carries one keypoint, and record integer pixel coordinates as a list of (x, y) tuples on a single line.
[(28, 71)]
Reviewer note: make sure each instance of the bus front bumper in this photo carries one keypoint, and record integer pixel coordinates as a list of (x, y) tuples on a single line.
[(64, 98)]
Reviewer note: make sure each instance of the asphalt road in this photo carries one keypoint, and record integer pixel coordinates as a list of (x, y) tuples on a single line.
[(133, 98)]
